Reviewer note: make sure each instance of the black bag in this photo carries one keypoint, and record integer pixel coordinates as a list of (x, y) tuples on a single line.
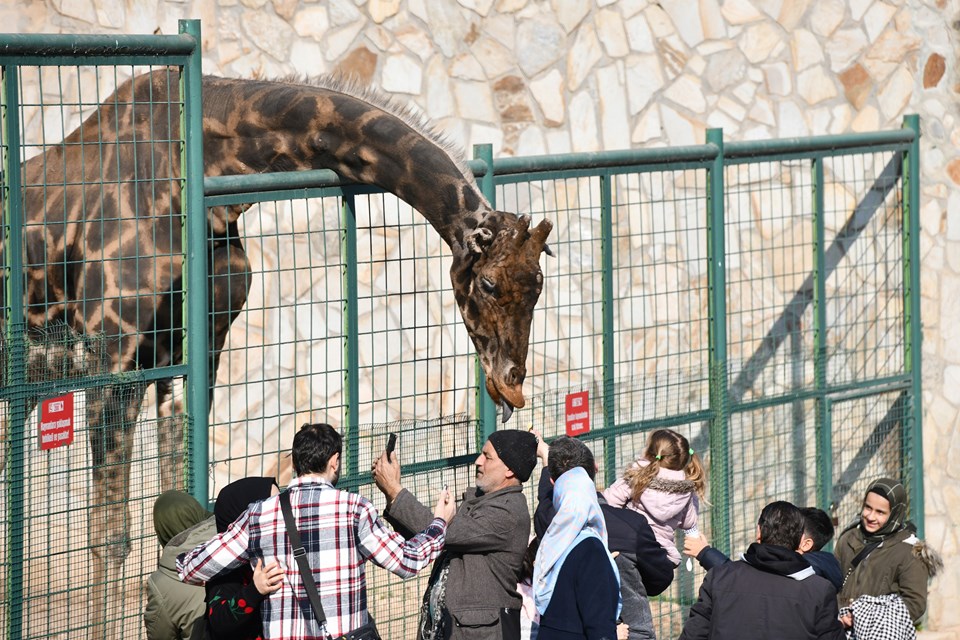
[(367, 631), (364, 632)]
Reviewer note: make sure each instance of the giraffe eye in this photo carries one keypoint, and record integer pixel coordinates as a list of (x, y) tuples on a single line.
[(487, 286)]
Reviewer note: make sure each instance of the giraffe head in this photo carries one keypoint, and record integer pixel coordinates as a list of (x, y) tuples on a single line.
[(497, 280)]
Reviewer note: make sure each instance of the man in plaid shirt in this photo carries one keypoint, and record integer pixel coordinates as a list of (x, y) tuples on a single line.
[(340, 532)]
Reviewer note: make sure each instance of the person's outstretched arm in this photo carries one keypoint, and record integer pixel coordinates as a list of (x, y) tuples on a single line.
[(389, 550), (543, 515), (223, 553)]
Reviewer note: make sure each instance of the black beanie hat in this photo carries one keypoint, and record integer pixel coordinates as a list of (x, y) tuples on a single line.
[(517, 449)]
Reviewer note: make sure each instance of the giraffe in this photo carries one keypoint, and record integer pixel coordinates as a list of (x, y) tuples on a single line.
[(103, 252)]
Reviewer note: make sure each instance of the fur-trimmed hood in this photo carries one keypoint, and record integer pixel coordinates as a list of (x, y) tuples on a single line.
[(929, 556)]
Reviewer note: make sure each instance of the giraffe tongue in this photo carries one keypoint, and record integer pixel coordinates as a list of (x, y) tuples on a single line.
[(507, 410)]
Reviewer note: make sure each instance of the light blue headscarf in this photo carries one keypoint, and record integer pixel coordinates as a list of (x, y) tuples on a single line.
[(578, 517)]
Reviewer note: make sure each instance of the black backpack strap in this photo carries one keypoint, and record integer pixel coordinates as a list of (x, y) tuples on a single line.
[(860, 557), (867, 550), (300, 554)]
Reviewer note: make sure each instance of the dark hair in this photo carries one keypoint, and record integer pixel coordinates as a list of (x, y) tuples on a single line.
[(668, 450), (781, 523), (313, 446), (817, 526), (569, 453), (529, 556)]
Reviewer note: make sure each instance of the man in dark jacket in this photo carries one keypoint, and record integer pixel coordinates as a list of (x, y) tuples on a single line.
[(772, 593), (645, 569), (817, 532), (472, 592)]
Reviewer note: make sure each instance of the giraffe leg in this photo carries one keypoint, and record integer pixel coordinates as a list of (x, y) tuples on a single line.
[(111, 419), (170, 425)]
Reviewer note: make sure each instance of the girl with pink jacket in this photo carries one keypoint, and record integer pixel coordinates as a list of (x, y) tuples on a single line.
[(665, 485)]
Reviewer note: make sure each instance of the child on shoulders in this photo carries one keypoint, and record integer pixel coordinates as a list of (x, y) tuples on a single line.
[(665, 484)]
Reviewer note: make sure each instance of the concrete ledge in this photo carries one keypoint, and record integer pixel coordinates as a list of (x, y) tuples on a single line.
[(939, 635)]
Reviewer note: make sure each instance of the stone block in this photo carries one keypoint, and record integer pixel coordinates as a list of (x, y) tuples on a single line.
[(583, 56), (540, 43), (933, 70), (361, 63), (402, 74), (548, 93), (740, 12)]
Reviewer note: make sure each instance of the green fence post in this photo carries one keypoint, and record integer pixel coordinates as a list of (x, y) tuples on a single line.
[(197, 300), (717, 312), (823, 436), (911, 307), (351, 329), (15, 336), (486, 411), (607, 310)]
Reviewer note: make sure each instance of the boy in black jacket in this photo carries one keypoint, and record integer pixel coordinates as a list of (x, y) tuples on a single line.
[(771, 593), (645, 569), (817, 532)]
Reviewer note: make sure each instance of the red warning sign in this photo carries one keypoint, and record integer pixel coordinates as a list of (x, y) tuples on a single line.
[(56, 422), (578, 413)]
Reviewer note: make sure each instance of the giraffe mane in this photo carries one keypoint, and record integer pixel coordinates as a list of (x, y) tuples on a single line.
[(415, 119)]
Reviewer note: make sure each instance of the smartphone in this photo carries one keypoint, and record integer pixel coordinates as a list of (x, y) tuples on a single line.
[(391, 445)]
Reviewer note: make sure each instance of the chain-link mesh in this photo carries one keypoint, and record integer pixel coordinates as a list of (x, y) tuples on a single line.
[(340, 309)]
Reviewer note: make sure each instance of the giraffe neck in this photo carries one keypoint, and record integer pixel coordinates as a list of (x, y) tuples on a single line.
[(259, 127)]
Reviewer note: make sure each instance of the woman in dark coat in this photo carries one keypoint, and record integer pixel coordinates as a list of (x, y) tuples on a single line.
[(234, 598)]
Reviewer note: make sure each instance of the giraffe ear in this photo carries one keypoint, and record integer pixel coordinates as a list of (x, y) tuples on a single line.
[(478, 240)]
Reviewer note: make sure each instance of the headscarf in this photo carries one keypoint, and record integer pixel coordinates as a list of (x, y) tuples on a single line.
[(234, 499), (578, 517), (176, 511), (896, 494)]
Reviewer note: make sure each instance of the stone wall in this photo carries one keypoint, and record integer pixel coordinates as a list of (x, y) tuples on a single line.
[(553, 76)]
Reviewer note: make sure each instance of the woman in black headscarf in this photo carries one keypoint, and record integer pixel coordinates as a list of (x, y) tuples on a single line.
[(234, 598), (880, 553)]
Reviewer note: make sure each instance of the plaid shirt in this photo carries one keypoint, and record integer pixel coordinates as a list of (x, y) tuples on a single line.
[(340, 532)]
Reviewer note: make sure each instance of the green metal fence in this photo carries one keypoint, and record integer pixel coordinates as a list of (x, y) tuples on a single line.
[(81, 465), (762, 298)]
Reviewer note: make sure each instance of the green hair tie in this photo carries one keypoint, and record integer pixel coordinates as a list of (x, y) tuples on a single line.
[(690, 451), (657, 457)]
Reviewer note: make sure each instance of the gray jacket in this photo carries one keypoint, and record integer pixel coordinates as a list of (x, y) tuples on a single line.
[(172, 606), (485, 545)]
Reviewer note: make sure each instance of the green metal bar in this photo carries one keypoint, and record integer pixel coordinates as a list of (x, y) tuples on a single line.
[(154, 61), (822, 435), (15, 333), (621, 159), (875, 386), (911, 306), (226, 185), (486, 411), (351, 330), (196, 301), (74, 45), (608, 401), (717, 313), (825, 493), (831, 144)]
